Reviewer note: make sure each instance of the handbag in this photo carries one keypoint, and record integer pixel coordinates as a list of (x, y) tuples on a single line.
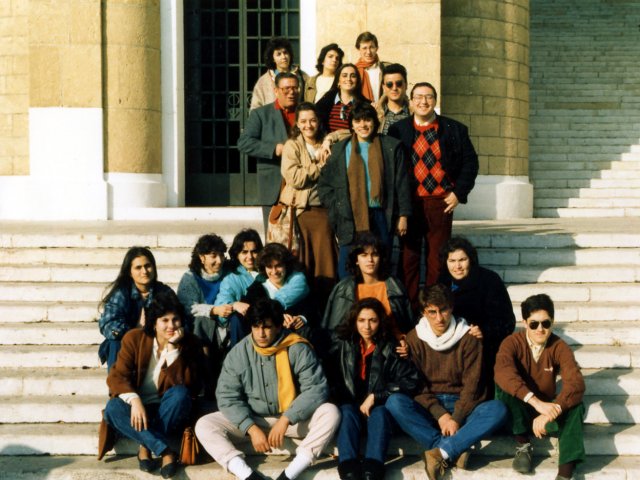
[(189, 448), (283, 227)]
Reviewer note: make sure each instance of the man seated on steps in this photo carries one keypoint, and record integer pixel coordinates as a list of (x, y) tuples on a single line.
[(527, 365), (271, 386), (450, 414)]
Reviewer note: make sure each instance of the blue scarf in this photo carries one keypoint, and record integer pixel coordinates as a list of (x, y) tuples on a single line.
[(209, 289)]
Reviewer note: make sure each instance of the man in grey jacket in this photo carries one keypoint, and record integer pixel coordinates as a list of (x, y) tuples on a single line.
[(271, 386)]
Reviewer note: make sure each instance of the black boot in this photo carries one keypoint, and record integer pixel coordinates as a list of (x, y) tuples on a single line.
[(350, 470), (372, 469)]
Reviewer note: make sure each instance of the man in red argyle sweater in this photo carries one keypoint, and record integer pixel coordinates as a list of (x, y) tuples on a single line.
[(443, 170)]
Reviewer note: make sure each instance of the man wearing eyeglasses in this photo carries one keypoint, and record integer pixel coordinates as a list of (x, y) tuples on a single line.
[(443, 170), (393, 105), (264, 135), (526, 369)]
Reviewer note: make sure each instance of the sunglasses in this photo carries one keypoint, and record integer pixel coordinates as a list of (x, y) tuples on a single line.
[(534, 324), (397, 83)]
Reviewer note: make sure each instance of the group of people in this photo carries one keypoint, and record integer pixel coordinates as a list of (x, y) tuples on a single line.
[(327, 342)]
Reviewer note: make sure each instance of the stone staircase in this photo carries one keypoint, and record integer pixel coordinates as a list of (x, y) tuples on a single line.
[(52, 387), (584, 135)]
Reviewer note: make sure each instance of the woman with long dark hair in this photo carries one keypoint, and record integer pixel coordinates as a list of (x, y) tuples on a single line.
[(122, 307), (365, 369), (329, 61), (152, 384)]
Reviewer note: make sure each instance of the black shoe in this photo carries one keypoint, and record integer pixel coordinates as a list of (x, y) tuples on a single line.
[(169, 470), (350, 470), (372, 469), (147, 465), (282, 476), (256, 476)]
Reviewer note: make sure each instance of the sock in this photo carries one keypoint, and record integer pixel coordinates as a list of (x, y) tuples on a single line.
[(239, 468), (297, 466), (444, 454), (521, 439), (566, 469)]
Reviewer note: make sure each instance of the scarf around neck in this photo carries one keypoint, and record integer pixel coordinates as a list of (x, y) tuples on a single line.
[(286, 387), (367, 89), (456, 330), (358, 182)]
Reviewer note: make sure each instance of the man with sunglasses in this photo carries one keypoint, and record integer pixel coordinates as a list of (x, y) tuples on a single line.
[(526, 369), (264, 135), (442, 171), (394, 103)]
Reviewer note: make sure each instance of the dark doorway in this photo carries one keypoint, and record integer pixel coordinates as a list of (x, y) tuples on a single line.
[(224, 40)]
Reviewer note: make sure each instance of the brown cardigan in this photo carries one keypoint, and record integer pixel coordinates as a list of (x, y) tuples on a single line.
[(127, 374), (453, 371), (517, 373)]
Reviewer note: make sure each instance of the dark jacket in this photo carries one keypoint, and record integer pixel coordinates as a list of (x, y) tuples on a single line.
[(482, 299), (333, 188), (326, 103), (459, 159), (387, 372), (343, 296)]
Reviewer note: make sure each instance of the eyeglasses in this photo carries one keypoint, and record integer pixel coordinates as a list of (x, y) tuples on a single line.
[(427, 97), (397, 83), (534, 324), (289, 89)]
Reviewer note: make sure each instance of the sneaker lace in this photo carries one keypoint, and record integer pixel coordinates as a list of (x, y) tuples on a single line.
[(523, 449)]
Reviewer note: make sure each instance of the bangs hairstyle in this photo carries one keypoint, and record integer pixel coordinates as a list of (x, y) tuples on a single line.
[(124, 281), (458, 243), (534, 303), (347, 330), (209, 243), (246, 235), (364, 241), (277, 43), (365, 111), (162, 304), (323, 53), (265, 309), (437, 295), (276, 252), (306, 107)]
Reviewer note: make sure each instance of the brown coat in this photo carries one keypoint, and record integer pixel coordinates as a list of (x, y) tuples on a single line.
[(128, 373), (300, 172), (517, 373)]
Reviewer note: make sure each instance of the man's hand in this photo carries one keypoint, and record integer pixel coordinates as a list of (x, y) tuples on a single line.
[(138, 415), (258, 439), (539, 424), (367, 405), (403, 348), (279, 148), (293, 323), (452, 202), (549, 409), (241, 308), (475, 331), (276, 435), (402, 226), (448, 426), (222, 310)]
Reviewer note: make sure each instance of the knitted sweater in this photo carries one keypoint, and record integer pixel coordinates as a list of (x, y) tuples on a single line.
[(517, 373), (455, 371)]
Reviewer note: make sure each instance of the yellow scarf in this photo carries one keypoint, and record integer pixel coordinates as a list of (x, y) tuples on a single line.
[(286, 387)]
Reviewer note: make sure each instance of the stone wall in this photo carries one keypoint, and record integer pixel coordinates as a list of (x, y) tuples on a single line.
[(408, 32), (485, 78)]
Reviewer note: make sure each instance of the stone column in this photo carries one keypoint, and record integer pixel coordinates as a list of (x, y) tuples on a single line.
[(132, 103), (485, 84)]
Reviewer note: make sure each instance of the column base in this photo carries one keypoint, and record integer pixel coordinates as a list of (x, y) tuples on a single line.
[(498, 197)]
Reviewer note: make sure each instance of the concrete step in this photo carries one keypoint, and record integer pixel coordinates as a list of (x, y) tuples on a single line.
[(27, 311), (558, 257), (585, 212), (570, 274), (75, 292), (621, 409), (588, 292), (599, 333), (22, 382), (78, 273), (587, 202), (408, 468), (598, 193), (88, 256), (47, 333), (82, 439), (593, 311)]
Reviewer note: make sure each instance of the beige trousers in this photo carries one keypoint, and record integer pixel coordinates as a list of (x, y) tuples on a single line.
[(218, 435)]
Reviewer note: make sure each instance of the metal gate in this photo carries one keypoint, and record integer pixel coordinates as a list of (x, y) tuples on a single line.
[(224, 41)]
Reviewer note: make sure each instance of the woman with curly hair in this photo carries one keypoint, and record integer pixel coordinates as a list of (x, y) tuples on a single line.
[(329, 61), (278, 58)]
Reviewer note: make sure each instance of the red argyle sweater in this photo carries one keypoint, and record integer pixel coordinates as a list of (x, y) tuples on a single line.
[(425, 162)]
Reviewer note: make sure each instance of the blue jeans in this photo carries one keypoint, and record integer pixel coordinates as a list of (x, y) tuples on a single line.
[(170, 415), (377, 225), (108, 352), (423, 428), (379, 430)]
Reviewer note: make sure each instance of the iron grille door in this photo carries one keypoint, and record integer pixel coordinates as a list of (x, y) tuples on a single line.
[(224, 41)]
